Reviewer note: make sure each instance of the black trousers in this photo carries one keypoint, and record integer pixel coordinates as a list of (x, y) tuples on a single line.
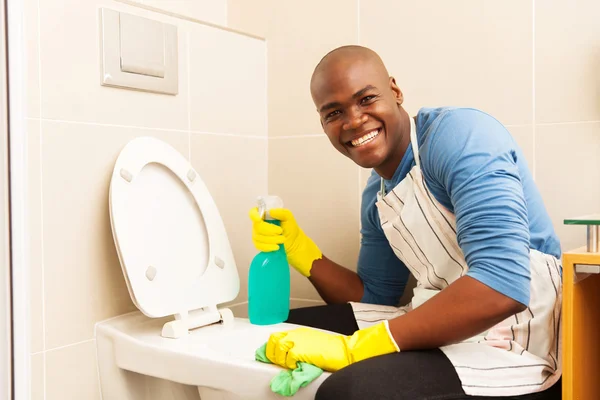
[(408, 375)]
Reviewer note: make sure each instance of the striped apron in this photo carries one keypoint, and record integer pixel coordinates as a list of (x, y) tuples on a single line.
[(521, 354)]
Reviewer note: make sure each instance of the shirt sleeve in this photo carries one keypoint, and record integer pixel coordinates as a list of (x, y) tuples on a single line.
[(383, 275), (472, 158)]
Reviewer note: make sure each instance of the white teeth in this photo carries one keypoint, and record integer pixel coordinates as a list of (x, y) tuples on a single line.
[(365, 139)]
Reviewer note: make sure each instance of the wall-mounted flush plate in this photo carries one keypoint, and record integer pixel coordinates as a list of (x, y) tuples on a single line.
[(138, 53)]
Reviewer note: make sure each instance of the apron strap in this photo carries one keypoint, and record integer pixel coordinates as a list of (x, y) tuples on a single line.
[(413, 141)]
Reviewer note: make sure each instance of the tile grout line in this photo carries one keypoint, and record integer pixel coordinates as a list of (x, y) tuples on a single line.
[(317, 135), (239, 135), (43, 354), (44, 374), (41, 205), (189, 105), (266, 166), (567, 123), (42, 250), (115, 317), (358, 22), (267, 144), (517, 125), (70, 345), (97, 363), (65, 121), (533, 131)]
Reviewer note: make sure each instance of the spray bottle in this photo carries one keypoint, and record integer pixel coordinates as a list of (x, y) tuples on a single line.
[(269, 277)]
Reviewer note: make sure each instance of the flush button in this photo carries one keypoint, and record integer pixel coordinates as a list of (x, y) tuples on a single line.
[(138, 53), (151, 273), (142, 56), (220, 263)]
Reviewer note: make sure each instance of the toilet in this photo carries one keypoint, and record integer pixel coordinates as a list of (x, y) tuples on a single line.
[(179, 268)]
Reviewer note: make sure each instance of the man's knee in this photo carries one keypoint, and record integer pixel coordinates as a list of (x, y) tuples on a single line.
[(335, 387), (361, 380), (413, 375), (351, 383)]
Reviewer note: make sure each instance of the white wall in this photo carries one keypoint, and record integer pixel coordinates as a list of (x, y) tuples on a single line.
[(5, 276), (532, 64), (76, 129)]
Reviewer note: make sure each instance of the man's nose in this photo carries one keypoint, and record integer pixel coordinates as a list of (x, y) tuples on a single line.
[(354, 121)]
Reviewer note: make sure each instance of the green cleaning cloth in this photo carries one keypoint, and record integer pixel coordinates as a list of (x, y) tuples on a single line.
[(288, 382)]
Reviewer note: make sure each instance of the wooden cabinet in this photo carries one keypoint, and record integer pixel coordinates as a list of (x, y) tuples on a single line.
[(581, 325)]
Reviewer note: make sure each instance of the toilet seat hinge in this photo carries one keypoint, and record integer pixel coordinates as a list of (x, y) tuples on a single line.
[(188, 320)]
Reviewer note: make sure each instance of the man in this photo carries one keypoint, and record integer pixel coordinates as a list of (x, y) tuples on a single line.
[(451, 200)]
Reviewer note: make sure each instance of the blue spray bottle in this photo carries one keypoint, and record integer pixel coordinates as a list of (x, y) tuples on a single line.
[(269, 277)]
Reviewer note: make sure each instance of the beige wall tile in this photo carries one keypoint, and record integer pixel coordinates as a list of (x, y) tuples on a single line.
[(31, 32), (34, 220), (319, 186), (213, 11), (568, 172), (83, 278), (240, 310), (249, 16), (300, 33), (72, 373), (228, 84), (475, 53), (567, 61), (235, 171), (71, 71), (523, 134), (37, 376)]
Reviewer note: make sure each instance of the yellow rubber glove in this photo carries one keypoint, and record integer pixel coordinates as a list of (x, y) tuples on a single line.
[(301, 251), (330, 352)]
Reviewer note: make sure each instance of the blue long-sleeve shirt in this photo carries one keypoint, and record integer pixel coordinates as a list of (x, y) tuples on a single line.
[(474, 168)]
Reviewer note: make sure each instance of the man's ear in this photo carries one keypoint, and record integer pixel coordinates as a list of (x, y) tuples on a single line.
[(396, 90)]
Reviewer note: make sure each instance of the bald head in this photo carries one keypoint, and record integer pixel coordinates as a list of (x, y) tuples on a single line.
[(355, 97), (341, 60)]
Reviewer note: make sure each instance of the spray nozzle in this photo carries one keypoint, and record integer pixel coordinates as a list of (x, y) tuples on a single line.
[(267, 203)]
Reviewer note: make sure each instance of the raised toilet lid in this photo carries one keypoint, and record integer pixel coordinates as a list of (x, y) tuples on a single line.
[(171, 241)]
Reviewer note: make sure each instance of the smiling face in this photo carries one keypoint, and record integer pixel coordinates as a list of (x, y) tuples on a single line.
[(360, 109)]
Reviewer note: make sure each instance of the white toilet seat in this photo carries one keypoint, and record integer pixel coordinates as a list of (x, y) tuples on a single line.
[(171, 241), (177, 260)]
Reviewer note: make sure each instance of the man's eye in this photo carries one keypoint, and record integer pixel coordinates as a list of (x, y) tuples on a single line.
[(366, 99), (332, 114)]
